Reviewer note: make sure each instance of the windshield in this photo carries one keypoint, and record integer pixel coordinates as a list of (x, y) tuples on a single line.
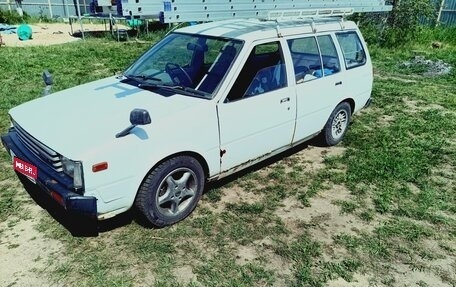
[(191, 62)]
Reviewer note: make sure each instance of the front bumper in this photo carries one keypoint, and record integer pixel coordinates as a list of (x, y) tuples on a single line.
[(56, 184)]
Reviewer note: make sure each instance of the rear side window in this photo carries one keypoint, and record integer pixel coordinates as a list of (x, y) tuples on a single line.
[(314, 57), (329, 56), (306, 58), (354, 54)]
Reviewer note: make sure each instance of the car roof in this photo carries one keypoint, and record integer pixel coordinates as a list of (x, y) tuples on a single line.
[(255, 29)]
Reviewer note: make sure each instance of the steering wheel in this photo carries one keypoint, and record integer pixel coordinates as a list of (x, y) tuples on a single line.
[(178, 75)]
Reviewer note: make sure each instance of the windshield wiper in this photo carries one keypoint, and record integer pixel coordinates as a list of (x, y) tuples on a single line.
[(141, 78), (178, 89)]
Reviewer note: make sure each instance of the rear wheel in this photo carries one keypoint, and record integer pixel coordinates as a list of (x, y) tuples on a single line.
[(171, 191), (337, 125)]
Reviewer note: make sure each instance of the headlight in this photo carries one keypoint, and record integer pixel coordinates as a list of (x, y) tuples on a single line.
[(74, 170)]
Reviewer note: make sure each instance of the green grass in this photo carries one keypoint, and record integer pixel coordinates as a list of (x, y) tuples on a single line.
[(397, 167)]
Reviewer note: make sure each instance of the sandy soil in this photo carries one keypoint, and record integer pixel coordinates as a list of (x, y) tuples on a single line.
[(52, 33), (24, 250)]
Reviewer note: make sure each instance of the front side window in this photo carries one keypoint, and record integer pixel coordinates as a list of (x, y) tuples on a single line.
[(354, 54), (189, 62), (264, 71)]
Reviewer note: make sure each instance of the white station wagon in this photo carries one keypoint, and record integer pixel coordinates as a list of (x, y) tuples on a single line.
[(206, 101)]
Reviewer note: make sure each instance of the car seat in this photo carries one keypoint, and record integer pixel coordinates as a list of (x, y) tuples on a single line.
[(262, 83), (218, 69)]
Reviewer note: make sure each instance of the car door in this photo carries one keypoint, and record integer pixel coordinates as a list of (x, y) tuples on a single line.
[(257, 116), (318, 79)]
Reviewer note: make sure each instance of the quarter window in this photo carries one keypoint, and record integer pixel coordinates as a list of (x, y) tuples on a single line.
[(354, 54)]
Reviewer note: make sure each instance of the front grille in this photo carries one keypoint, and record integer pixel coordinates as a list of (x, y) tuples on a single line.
[(44, 153)]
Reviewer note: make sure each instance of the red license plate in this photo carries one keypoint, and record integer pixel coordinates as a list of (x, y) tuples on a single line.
[(25, 168)]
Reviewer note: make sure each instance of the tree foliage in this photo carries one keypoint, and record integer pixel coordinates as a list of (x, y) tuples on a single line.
[(399, 26)]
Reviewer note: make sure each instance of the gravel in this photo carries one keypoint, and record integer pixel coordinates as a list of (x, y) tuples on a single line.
[(431, 68)]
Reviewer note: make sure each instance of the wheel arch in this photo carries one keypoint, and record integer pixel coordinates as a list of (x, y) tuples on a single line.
[(202, 161), (351, 102)]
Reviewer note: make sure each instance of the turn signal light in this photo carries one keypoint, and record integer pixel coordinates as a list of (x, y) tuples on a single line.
[(57, 197), (100, 166)]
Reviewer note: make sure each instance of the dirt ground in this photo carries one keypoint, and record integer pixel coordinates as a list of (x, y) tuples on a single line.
[(53, 33), (24, 250)]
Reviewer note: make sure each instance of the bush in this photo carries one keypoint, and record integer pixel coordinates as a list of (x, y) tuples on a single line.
[(444, 34), (12, 17), (400, 26)]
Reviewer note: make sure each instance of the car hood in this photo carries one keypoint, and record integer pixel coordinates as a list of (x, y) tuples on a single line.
[(76, 121)]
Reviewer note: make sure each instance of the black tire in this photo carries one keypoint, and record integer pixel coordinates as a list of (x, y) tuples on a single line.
[(337, 125), (171, 191)]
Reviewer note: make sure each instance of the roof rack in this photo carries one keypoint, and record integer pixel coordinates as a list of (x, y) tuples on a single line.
[(174, 11), (308, 13)]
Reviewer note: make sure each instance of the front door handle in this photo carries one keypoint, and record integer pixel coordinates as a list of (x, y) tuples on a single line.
[(284, 100), (339, 83)]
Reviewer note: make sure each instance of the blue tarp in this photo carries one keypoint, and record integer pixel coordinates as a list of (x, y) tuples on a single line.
[(7, 29)]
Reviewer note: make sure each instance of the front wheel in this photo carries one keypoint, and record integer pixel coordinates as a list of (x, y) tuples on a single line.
[(337, 125), (171, 191)]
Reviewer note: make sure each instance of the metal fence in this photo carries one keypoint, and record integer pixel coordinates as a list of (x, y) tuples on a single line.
[(447, 12), (47, 8), (67, 8)]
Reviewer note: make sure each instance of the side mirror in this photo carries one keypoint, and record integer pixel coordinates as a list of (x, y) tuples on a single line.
[(138, 117)]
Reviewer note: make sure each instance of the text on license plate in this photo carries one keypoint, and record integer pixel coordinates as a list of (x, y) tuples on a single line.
[(25, 168)]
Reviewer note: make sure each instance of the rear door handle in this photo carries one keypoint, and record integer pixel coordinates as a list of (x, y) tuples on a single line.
[(284, 100), (339, 83)]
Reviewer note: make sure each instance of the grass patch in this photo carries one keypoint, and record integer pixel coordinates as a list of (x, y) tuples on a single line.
[(398, 167)]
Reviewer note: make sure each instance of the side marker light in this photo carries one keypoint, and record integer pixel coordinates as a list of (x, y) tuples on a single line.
[(99, 166)]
